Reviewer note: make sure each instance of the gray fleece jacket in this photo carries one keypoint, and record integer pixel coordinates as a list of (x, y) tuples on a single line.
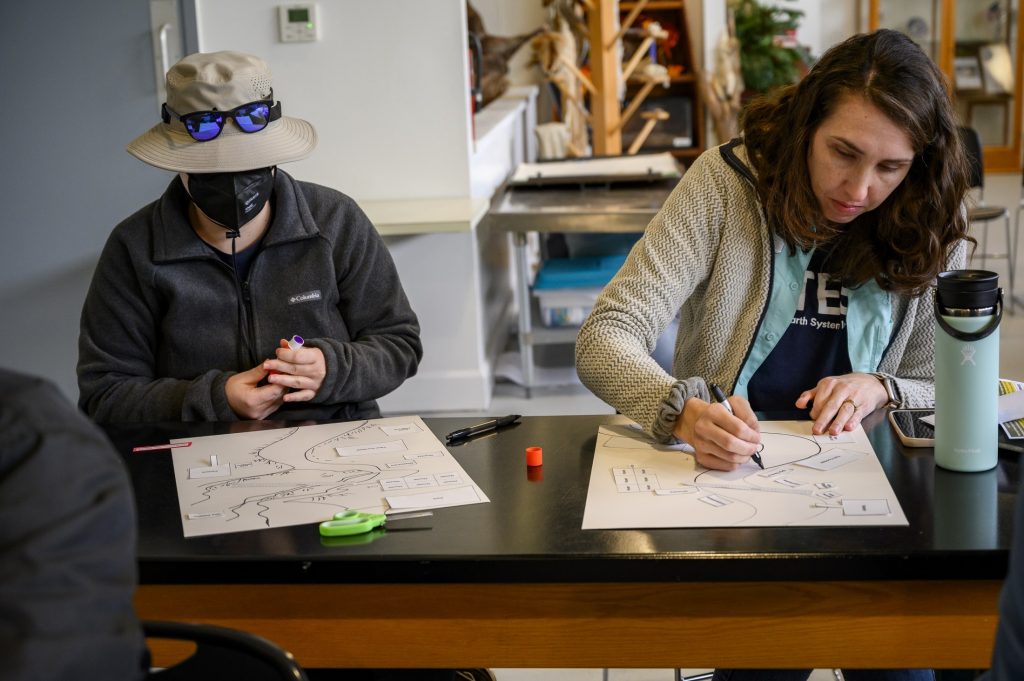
[(160, 326), (67, 543), (709, 256)]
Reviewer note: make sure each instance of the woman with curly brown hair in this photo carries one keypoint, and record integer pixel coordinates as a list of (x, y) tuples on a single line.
[(798, 259)]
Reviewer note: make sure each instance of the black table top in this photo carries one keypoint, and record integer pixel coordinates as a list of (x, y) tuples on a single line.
[(959, 524)]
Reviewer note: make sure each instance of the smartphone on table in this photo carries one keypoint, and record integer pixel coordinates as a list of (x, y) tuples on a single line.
[(911, 430)]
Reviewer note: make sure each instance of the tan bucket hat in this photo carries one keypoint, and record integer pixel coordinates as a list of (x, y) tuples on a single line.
[(221, 81)]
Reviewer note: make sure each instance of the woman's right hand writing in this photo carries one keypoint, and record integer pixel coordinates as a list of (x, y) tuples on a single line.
[(722, 441)]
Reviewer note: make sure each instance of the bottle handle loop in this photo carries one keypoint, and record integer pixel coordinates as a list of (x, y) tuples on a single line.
[(983, 332)]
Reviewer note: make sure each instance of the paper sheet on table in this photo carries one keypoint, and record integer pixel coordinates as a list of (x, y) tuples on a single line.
[(1011, 408), (306, 474), (435, 499), (807, 481)]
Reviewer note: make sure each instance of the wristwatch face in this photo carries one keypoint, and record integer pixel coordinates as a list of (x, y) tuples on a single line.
[(890, 390)]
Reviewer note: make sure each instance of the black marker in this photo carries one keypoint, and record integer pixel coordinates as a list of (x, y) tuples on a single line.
[(483, 427), (719, 395)]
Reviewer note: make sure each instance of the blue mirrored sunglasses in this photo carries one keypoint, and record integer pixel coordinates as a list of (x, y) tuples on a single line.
[(204, 126)]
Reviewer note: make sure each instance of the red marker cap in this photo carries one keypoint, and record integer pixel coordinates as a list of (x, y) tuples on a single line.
[(534, 456)]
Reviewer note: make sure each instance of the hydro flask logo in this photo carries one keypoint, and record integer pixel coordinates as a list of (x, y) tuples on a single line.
[(967, 352)]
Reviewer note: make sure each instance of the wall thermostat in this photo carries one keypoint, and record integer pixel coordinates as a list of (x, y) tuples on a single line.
[(298, 23)]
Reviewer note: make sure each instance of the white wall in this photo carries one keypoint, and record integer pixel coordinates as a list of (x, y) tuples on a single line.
[(825, 23), (385, 87), (712, 27), (67, 180)]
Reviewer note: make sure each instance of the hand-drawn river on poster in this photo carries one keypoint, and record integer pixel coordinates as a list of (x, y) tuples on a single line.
[(291, 476)]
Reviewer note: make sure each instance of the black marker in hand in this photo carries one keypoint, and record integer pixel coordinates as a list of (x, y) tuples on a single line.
[(719, 395)]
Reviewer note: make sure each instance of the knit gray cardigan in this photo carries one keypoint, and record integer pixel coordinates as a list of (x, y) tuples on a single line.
[(707, 255)]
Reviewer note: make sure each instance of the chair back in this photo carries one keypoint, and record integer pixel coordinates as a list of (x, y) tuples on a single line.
[(222, 654), (972, 148)]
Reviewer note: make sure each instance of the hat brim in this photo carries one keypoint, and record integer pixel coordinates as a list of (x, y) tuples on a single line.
[(286, 139)]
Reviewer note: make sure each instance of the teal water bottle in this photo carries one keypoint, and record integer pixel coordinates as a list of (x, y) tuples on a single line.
[(968, 308)]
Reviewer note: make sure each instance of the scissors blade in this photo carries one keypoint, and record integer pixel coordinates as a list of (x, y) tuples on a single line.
[(413, 520)]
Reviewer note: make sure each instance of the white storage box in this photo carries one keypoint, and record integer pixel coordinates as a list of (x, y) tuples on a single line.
[(565, 306)]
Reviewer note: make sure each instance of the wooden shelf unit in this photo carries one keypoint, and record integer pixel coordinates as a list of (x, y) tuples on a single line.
[(683, 132)]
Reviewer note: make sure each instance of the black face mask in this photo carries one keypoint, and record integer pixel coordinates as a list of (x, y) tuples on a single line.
[(231, 199)]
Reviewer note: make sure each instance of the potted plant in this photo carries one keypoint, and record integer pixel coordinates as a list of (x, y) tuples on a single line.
[(769, 53)]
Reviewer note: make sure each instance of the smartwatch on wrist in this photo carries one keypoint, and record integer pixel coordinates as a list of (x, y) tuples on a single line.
[(890, 390)]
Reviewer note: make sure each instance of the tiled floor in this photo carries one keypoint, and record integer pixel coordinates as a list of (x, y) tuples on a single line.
[(616, 674), (588, 674)]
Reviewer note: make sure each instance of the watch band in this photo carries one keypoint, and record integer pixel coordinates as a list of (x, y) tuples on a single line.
[(890, 390)]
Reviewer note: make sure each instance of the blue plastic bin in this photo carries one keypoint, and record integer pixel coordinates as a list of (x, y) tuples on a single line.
[(567, 288)]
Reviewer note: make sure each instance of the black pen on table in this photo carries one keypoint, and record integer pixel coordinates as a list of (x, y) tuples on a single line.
[(482, 427), (719, 396)]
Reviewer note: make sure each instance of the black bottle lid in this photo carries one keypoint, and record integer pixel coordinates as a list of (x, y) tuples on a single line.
[(968, 290)]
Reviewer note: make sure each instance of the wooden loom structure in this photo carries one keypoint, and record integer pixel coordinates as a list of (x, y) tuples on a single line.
[(595, 99)]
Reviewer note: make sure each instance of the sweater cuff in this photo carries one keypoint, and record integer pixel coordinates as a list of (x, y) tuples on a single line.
[(219, 397), (674, 403)]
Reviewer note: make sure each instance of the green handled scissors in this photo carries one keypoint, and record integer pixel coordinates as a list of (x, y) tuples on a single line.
[(351, 522), (345, 523)]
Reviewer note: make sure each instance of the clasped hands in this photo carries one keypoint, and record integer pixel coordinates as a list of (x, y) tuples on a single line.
[(294, 376), (724, 441)]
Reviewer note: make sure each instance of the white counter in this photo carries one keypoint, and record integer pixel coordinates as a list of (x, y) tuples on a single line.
[(425, 216)]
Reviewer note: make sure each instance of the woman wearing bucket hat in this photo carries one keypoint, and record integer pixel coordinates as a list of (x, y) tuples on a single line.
[(194, 293)]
